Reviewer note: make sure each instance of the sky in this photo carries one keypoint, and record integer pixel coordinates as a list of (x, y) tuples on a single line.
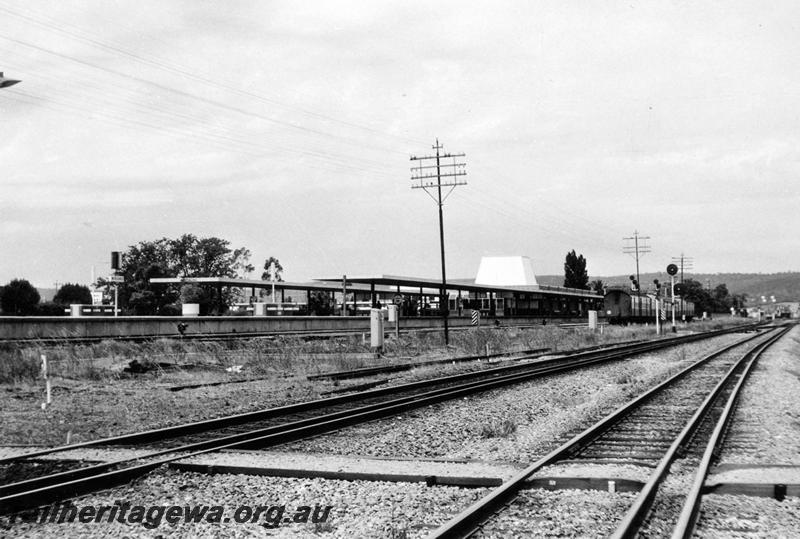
[(287, 128)]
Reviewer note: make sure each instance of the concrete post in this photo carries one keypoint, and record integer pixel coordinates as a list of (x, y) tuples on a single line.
[(376, 330), (593, 320)]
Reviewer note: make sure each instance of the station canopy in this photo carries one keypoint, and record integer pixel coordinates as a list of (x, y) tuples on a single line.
[(382, 284), (257, 283), (413, 284)]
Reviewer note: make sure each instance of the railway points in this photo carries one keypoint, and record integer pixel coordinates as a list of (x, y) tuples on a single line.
[(260, 434), (636, 434), (217, 450)]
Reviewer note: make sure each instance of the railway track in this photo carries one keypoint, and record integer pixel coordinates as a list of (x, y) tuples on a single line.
[(284, 424), (672, 420)]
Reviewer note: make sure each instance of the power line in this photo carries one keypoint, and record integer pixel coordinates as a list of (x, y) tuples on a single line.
[(59, 27), (247, 113)]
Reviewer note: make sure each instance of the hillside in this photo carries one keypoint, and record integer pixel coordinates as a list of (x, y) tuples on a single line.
[(784, 286)]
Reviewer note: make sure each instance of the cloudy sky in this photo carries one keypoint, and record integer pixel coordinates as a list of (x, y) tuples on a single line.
[(287, 127)]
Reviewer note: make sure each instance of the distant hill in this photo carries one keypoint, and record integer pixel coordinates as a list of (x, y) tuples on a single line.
[(784, 286)]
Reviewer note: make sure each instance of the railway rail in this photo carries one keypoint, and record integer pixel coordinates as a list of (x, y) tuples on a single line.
[(288, 423), (650, 431)]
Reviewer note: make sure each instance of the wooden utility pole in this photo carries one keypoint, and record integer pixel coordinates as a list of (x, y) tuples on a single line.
[(424, 174), (637, 250)]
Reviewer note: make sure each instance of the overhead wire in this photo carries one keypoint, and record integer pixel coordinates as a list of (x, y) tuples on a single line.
[(224, 106), (204, 133), (60, 27)]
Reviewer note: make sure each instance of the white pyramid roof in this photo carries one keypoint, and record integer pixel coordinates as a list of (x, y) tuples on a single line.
[(506, 271)]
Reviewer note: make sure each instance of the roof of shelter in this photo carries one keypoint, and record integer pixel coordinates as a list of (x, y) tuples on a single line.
[(257, 283), (382, 283)]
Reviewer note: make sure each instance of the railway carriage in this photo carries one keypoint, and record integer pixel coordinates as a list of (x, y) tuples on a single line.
[(623, 306)]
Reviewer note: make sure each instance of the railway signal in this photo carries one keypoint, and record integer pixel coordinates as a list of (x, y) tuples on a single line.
[(672, 270)]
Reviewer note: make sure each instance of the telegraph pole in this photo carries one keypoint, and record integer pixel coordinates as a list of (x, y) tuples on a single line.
[(685, 262), (637, 250), (424, 174)]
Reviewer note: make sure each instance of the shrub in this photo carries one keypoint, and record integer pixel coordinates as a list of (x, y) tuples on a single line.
[(498, 429), (50, 308), (19, 298)]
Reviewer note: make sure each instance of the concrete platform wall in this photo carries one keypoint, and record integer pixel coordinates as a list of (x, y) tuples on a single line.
[(17, 327)]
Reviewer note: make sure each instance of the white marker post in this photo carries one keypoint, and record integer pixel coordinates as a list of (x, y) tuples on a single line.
[(48, 399), (672, 285), (658, 316)]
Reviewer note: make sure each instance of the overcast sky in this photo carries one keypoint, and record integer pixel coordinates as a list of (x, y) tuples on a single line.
[(287, 127)]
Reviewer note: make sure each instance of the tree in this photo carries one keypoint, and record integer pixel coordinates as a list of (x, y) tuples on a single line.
[(597, 286), (699, 296), (722, 298), (267, 276), (73, 293), (186, 256), (19, 298), (320, 303), (575, 275), (191, 293)]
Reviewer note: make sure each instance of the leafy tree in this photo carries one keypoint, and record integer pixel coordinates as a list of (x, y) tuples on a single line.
[(191, 293), (597, 286), (739, 301), (320, 303), (73, 293), (51, 308), (186, 256), (267, 276), (19, 298), (575, 275), (703, 302)]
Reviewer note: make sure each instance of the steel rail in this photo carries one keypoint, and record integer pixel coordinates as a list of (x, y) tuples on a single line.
[(635, 517), (32, 492), (468, 521), (572, 360), (687, 519), (267, 436)]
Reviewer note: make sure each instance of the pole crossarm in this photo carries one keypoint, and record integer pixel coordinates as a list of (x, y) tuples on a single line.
[(637, 250)]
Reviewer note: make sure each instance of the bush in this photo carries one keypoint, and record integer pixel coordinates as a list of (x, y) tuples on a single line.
[(498, 429), (170, 310), (50, 308), (73, 293), (19, 298)]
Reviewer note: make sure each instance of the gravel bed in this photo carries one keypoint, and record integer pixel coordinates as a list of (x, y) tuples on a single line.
[(359, 509), (517, 424), (307, 461), (561, 513), (84, 410), (766, 424), (748, 516), (86, 454)]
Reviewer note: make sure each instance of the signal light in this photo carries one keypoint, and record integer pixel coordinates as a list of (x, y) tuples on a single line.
[(115, 260)]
